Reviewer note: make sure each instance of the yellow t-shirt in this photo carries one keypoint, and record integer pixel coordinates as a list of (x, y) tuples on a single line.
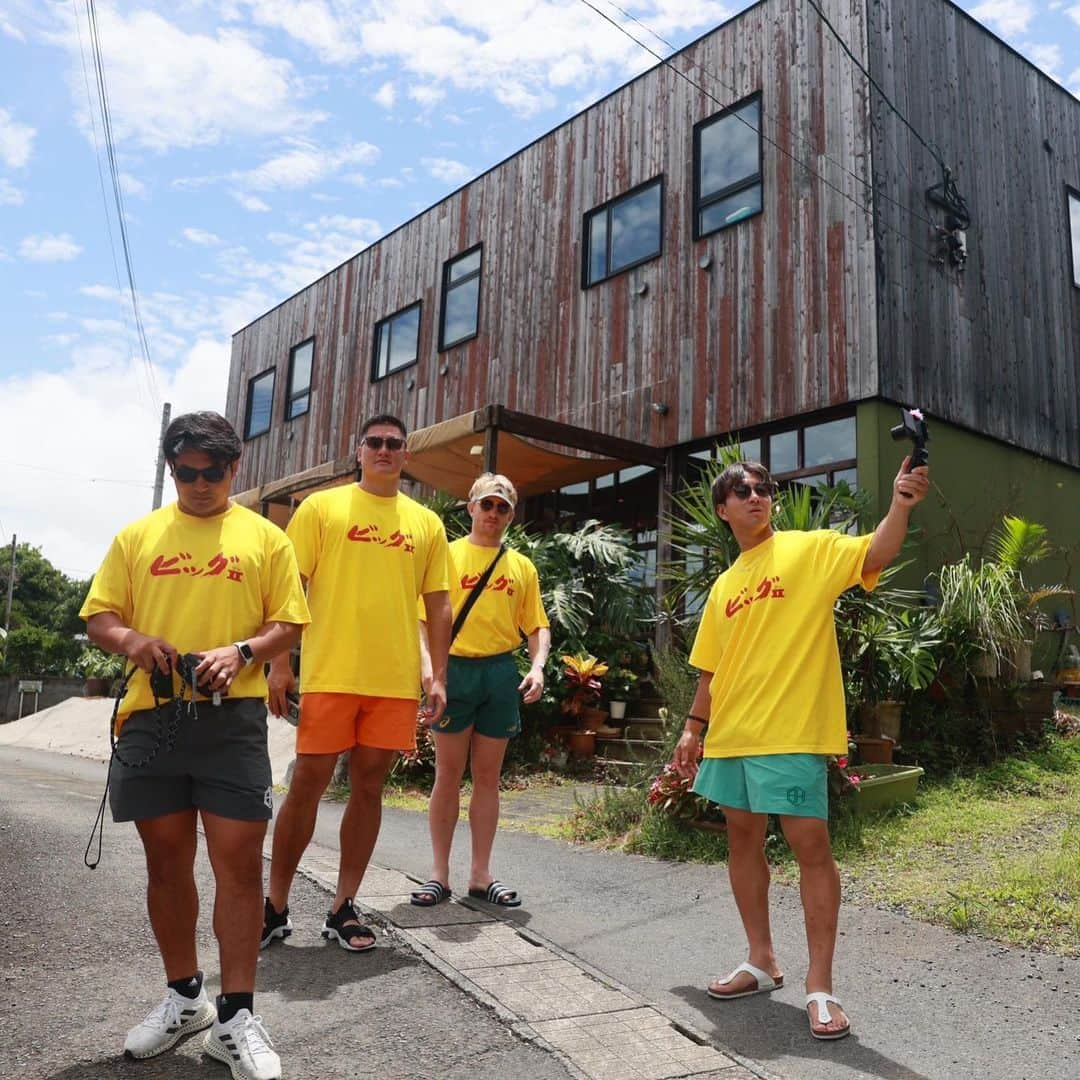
[(198, 583), (511, 604), (768, 636), (367, 559)]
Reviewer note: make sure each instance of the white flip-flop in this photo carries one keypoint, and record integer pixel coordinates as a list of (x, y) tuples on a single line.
[(765, 983), (823, 1000)]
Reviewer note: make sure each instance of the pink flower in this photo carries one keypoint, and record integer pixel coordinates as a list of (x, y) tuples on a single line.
[(855, 780), (841, 762)]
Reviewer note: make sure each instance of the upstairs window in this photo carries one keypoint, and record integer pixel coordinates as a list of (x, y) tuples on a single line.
[(260, 404), (727, 168), (299, 397), (623, 233), (1074, 234), (459, 319), (397, 342)]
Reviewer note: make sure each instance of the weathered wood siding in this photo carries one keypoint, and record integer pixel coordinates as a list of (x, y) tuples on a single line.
[(784, 321), (996, 348)]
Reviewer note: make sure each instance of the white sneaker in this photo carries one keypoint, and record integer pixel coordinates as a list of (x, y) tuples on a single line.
[(245, 1047), (174, 1018)]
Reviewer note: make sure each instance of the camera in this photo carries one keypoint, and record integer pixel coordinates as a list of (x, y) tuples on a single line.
[(913, 426), (187, 665), (161, 682)]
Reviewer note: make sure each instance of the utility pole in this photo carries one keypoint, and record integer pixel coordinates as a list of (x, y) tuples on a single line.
[(10, 592), (159, 472)]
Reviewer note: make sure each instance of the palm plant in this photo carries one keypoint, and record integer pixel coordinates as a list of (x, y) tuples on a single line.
[(1016, 545)]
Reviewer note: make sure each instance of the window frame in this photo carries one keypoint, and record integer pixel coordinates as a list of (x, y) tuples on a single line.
[(732, 189), (385, 321), (290, 391), (605, 208), (1072, 195), (448, 287), (272, 373)]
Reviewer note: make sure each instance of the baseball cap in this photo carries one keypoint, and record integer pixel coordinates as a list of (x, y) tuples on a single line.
[(493, 485)]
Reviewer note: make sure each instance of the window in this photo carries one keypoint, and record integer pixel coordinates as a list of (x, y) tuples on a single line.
[(727, 167), (460, 317), (260, 404), (1074, 234), (397, 342), (299, 397), (623, 233)]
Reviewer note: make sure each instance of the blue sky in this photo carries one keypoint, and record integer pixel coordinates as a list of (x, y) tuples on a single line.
[(259, 143)]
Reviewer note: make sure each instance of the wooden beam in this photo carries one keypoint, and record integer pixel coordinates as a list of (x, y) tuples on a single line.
[(594, 442)]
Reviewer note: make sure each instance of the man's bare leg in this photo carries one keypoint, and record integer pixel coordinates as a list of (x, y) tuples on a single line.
[(235, 850), (295, 823), (748, 871), (451, 753), (171, 897), (819, 885), (485, 767), (363, 816)]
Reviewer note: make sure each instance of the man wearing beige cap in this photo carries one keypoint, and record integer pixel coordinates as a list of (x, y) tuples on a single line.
[(495, 595)]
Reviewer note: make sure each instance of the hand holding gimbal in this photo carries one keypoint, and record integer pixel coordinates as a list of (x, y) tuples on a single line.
[(913, 426)]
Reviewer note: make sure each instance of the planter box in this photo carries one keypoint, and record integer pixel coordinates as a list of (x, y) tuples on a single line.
[(886, 785)]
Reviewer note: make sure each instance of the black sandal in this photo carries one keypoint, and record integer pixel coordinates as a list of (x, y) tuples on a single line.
[(498, 894), (344, 924), (430, 893)]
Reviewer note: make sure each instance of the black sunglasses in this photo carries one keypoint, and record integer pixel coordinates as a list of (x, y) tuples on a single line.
[(742, 491), (187, 475), (377, 442), (487, 505)]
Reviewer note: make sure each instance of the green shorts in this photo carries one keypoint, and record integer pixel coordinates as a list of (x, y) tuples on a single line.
[(482, 694), (793, 784)]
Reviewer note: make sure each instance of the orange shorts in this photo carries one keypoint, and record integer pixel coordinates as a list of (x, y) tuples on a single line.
[(331, 723)]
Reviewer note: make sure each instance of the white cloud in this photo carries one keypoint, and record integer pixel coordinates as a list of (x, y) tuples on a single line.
[(103, 390), (1006, 16), (385, 96), (201, 237), (10, 195), (132, 185), (49, 247), (1074, 13), (310, 22), (322, 244), (1047, 58), (448, 170), (426, 95), (169, 88), (251, 202), (305, 163), (16, 141)]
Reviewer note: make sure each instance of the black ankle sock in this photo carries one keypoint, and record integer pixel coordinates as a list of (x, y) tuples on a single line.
[(228, 1005), (189, 987)]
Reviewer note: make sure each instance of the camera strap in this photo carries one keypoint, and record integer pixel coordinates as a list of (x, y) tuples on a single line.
[(167, 715), (474, 595)]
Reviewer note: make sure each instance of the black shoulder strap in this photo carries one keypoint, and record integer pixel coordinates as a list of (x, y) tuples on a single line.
[(474, 595)]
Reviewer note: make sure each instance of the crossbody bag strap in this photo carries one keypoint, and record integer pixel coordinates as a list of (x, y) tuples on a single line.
[(474, 595)]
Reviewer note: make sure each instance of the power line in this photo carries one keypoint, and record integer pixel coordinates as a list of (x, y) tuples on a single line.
[(118, 197), (74, 476), (666, 61)]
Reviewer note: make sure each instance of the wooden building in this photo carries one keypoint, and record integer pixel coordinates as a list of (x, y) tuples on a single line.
[(740, 244)]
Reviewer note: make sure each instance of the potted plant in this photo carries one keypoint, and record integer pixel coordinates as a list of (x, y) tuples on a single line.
[(99, 670), (581, 676), (872, 787), (1016, 545), (621, 683)]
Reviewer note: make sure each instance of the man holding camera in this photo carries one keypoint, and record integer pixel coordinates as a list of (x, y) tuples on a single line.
[(368, 553), (211, 591), (770, 705)]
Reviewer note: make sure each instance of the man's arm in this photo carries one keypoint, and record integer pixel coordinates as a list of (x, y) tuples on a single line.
[(909, 489), (280, 680), (439, 623), (539, 644), (688, 748), (109, 632)]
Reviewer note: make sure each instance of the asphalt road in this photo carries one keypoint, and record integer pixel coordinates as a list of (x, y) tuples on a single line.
[(924, 1003), (78, 964)]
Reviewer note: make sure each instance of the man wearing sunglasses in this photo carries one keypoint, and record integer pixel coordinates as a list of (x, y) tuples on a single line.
[(484, 687), (368, 554), (770, 704), (199, 576)]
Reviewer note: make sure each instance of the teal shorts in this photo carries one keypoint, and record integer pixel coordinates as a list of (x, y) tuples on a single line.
[(482, 694), (793, 784)]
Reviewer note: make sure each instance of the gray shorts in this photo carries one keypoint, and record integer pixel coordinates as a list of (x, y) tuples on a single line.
[(219, 763)]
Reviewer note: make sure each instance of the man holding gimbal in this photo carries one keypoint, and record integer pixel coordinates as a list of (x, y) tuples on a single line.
[(208, 591), (770, 707)]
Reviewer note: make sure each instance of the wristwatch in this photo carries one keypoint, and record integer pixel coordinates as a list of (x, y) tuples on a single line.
[(247, 654)]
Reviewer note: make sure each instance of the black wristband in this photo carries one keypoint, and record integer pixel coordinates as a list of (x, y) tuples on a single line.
[(698, 720)]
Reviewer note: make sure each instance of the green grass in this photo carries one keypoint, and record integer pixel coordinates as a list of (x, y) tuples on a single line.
[(995, 852)]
